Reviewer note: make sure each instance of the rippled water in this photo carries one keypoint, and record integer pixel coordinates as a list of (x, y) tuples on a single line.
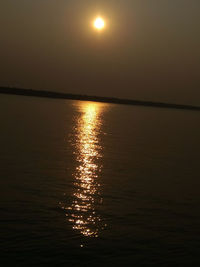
[(86, 145), (90, 184)]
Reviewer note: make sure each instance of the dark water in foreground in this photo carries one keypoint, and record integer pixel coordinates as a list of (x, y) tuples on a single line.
[(88, 184)]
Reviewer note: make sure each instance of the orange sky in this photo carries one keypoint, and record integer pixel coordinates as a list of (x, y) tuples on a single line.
[(149, 49)]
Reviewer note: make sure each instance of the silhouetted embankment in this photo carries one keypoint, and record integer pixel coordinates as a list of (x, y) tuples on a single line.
[(50, 94)]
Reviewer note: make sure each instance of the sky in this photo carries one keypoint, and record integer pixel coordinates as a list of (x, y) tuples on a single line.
[(149, 49)]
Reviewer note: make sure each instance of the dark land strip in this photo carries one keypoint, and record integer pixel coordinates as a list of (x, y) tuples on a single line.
[(51, 94)]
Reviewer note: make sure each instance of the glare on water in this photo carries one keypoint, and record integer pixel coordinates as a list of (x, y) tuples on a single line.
[(82, 213)]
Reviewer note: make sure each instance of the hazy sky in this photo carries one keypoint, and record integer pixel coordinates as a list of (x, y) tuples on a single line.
[(149, 50)]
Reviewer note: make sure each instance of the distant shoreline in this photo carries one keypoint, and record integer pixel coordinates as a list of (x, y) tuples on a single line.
[(51, 94)]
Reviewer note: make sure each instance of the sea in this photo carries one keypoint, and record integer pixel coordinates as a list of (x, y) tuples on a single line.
[(96, 184)]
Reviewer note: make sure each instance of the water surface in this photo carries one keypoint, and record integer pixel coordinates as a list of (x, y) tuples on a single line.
[(86, 183)]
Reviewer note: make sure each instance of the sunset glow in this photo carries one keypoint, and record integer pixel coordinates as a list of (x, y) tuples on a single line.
[(99, 23)]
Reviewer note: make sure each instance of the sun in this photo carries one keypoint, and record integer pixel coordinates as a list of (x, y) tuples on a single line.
[(99, 24)]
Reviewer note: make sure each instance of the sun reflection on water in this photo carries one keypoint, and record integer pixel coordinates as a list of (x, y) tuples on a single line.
[(82, 213)]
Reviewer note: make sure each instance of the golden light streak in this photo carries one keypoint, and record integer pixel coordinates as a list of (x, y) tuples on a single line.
[(82, 212)]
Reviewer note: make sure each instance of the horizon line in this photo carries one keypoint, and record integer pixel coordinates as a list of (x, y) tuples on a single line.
[(112, 100)]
